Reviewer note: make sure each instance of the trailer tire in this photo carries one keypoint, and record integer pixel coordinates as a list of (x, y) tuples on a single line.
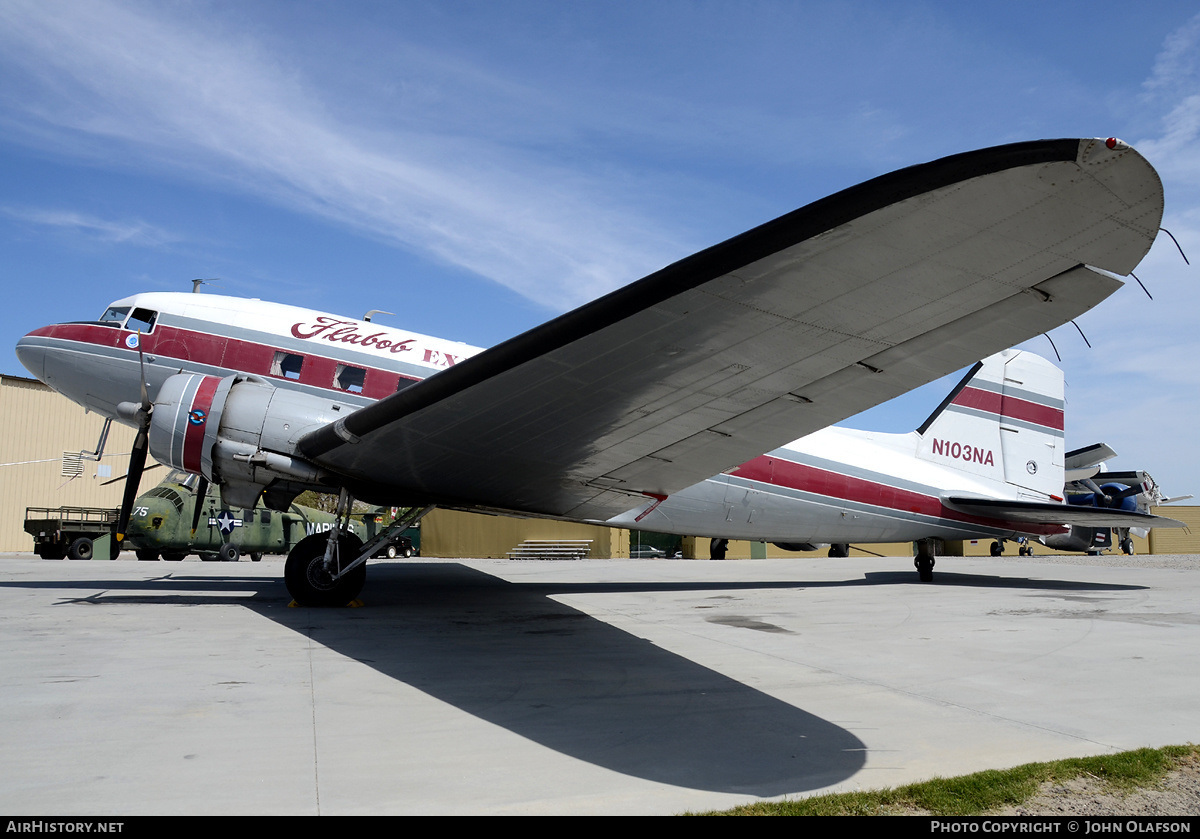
[(81, 548)]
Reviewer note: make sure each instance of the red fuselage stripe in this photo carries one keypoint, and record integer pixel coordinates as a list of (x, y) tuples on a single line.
[(228, 353), (1010, 406), (769, 469)]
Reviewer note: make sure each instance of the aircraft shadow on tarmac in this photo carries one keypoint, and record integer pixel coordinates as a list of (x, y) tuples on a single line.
[(511, 655)]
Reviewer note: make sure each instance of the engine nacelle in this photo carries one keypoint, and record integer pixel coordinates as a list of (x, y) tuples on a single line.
[(239, 432)]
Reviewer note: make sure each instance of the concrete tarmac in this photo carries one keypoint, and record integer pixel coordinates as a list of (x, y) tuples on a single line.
[(587, 687)]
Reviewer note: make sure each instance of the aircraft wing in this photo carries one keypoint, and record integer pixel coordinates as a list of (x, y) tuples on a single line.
[(1040, 512), (780, 331)]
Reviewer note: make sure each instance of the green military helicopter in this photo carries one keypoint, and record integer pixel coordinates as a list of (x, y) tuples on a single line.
[(160, 525)]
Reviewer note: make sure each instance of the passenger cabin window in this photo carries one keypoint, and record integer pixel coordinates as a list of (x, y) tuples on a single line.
[(142, 320), (403, 383), (287, 365), (349, 378)]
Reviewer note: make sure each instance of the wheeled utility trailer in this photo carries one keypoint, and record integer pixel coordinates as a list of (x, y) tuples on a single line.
[(75, 532)]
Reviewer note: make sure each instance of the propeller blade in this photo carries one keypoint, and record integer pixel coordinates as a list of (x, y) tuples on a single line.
[(137, 465), (1128, 491), (137, 457), (201, 499), (142, 365)]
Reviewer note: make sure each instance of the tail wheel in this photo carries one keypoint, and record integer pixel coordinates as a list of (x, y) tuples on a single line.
[(310, 584)]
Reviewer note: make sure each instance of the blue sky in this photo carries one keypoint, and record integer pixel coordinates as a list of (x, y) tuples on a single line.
[(479, 167)]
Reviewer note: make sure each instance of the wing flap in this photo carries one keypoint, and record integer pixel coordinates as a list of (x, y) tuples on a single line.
[(774, 334)]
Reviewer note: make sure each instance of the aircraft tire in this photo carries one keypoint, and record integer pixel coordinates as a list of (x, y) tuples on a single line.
[(256, 556), (81, 548), (229, 553), (309, 583), (839, 550), (173, 556), (996, 549), (1127, 547), (206, 556), (924, 568), (146, 554)]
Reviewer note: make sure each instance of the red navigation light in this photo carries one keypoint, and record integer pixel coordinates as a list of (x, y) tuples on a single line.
[(1111, 142)]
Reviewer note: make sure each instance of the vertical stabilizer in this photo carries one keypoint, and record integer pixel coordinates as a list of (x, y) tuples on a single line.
[(1004, 421)]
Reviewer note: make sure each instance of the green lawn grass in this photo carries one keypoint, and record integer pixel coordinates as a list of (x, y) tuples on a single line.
[(982, 792)]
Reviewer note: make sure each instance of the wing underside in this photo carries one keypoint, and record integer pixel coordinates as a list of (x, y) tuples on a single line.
[(762, 339)]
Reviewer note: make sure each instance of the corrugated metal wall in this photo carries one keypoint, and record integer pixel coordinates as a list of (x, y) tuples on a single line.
[(38, 425), (449, 533), (1179, 540)]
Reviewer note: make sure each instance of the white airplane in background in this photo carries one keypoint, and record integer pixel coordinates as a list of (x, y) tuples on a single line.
[(1090, 483), (622, 411)]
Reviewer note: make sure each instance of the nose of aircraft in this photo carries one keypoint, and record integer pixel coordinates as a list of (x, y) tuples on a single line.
[(32, 354)]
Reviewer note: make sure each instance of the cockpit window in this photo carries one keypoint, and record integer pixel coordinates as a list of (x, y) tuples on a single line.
[(115, 314), (142, 320)]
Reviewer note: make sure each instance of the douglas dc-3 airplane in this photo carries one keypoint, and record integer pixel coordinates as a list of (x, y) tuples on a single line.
[(623, 410)]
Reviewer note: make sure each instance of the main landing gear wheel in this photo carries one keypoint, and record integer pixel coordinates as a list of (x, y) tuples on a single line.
[(926, 548), (310, 584), (997, 549), (924, 565), (839, 550), (229, 553)]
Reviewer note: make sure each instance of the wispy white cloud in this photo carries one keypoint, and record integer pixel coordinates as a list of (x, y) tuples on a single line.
[(105, 230), (1174, 86), (178, 91)]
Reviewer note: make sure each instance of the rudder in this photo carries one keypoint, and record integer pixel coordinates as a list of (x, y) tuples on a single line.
[(1004, 422)]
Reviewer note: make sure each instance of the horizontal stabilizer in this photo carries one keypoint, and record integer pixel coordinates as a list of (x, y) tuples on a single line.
[(1044, 512), (1092, 455)]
